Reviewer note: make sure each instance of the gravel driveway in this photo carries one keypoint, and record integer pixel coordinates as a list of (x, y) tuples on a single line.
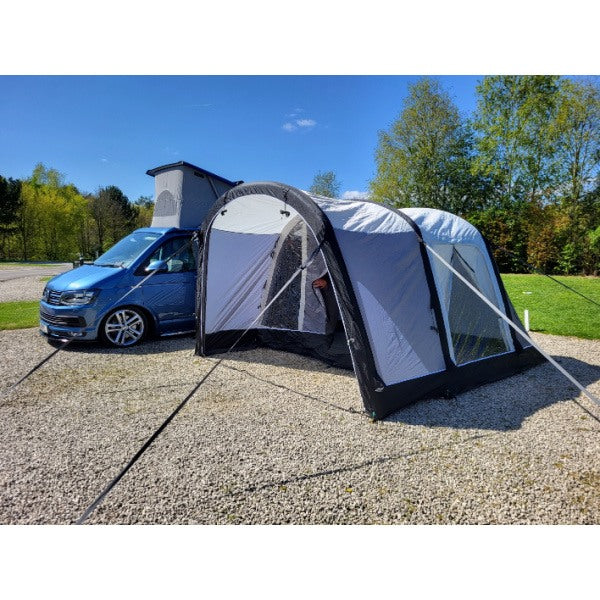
[(278, 438), (23, 282)]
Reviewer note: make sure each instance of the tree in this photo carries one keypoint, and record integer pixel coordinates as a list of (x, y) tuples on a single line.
[(325, 184), (588, 231), (10, 202), (425, 157), (594, 251), (144, 209), (113, 215), (145, 201), (45, 218), (51, 217), (578, 137), (508, 232), (516, 137), (575, 133)]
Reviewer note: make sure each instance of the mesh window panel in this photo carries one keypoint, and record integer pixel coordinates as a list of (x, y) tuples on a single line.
[(284, 312), (474, 327), (165, 205)]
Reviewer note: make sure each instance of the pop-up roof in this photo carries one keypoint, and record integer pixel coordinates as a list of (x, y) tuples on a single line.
[(184, 193)]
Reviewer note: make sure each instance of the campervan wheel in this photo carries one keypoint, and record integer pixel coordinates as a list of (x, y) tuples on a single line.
[(124, 327)]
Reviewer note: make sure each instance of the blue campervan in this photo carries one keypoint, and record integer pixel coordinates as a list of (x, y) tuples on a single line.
[(146, 283)]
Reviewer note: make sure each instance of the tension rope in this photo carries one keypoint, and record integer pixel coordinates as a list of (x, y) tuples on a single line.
[(66, 342), (166, 422), (302, 267), (522, 333), (91, 508), (44, 360), (540, 272)]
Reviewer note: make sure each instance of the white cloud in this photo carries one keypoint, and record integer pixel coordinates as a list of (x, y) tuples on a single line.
[(295, 124), (306, 123), (104, 160), (356, 195)]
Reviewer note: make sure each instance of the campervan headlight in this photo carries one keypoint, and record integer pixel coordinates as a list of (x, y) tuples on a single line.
[(78, 298)]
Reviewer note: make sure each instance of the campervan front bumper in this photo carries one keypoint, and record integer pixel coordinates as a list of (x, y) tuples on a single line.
[(68, 322)]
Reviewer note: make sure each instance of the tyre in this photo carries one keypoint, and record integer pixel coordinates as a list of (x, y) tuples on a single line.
[(124, 327)]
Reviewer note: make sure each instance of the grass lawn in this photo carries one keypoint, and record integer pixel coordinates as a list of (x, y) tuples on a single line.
[(554, 309), (19, 315)]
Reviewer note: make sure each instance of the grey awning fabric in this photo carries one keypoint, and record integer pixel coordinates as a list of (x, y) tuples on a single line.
[(409, 327)]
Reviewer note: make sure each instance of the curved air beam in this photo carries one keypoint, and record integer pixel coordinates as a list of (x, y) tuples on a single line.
[(379, 400)]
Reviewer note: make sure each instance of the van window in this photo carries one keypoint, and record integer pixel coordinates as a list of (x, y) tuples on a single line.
[(125, 252), (183, 261)]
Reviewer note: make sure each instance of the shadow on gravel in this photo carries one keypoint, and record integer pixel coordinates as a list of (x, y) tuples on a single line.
[(358, 466), (176, 343), (500, 406), (185, 342), (505, 404), (265, 355)]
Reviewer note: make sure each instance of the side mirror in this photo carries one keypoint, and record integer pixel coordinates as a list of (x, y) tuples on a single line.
[(158, 266)]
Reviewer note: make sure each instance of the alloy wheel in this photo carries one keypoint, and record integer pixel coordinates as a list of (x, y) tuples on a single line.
[(124, 327)]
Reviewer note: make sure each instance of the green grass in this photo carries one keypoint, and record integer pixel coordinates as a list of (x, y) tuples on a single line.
[(553, 308), (19, 315)]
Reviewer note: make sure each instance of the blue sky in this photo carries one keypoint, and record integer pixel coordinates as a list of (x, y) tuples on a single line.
[(107, 130)]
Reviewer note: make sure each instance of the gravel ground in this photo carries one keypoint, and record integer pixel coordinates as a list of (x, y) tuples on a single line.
[(273, 437), (24, 282), (24, 288)]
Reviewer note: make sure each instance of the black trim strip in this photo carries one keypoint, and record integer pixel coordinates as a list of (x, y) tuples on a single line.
[(379, 400), (433, 291), (62, 320), (505, 299), (451, 382), (321, 227)]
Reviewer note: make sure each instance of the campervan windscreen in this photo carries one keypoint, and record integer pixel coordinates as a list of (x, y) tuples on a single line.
[(123, 253)]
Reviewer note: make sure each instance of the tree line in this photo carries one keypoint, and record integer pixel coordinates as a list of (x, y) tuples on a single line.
[(45, 218), (524, 168)]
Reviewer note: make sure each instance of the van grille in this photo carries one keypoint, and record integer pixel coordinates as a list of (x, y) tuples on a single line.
[(53, 297), (65, 321)]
